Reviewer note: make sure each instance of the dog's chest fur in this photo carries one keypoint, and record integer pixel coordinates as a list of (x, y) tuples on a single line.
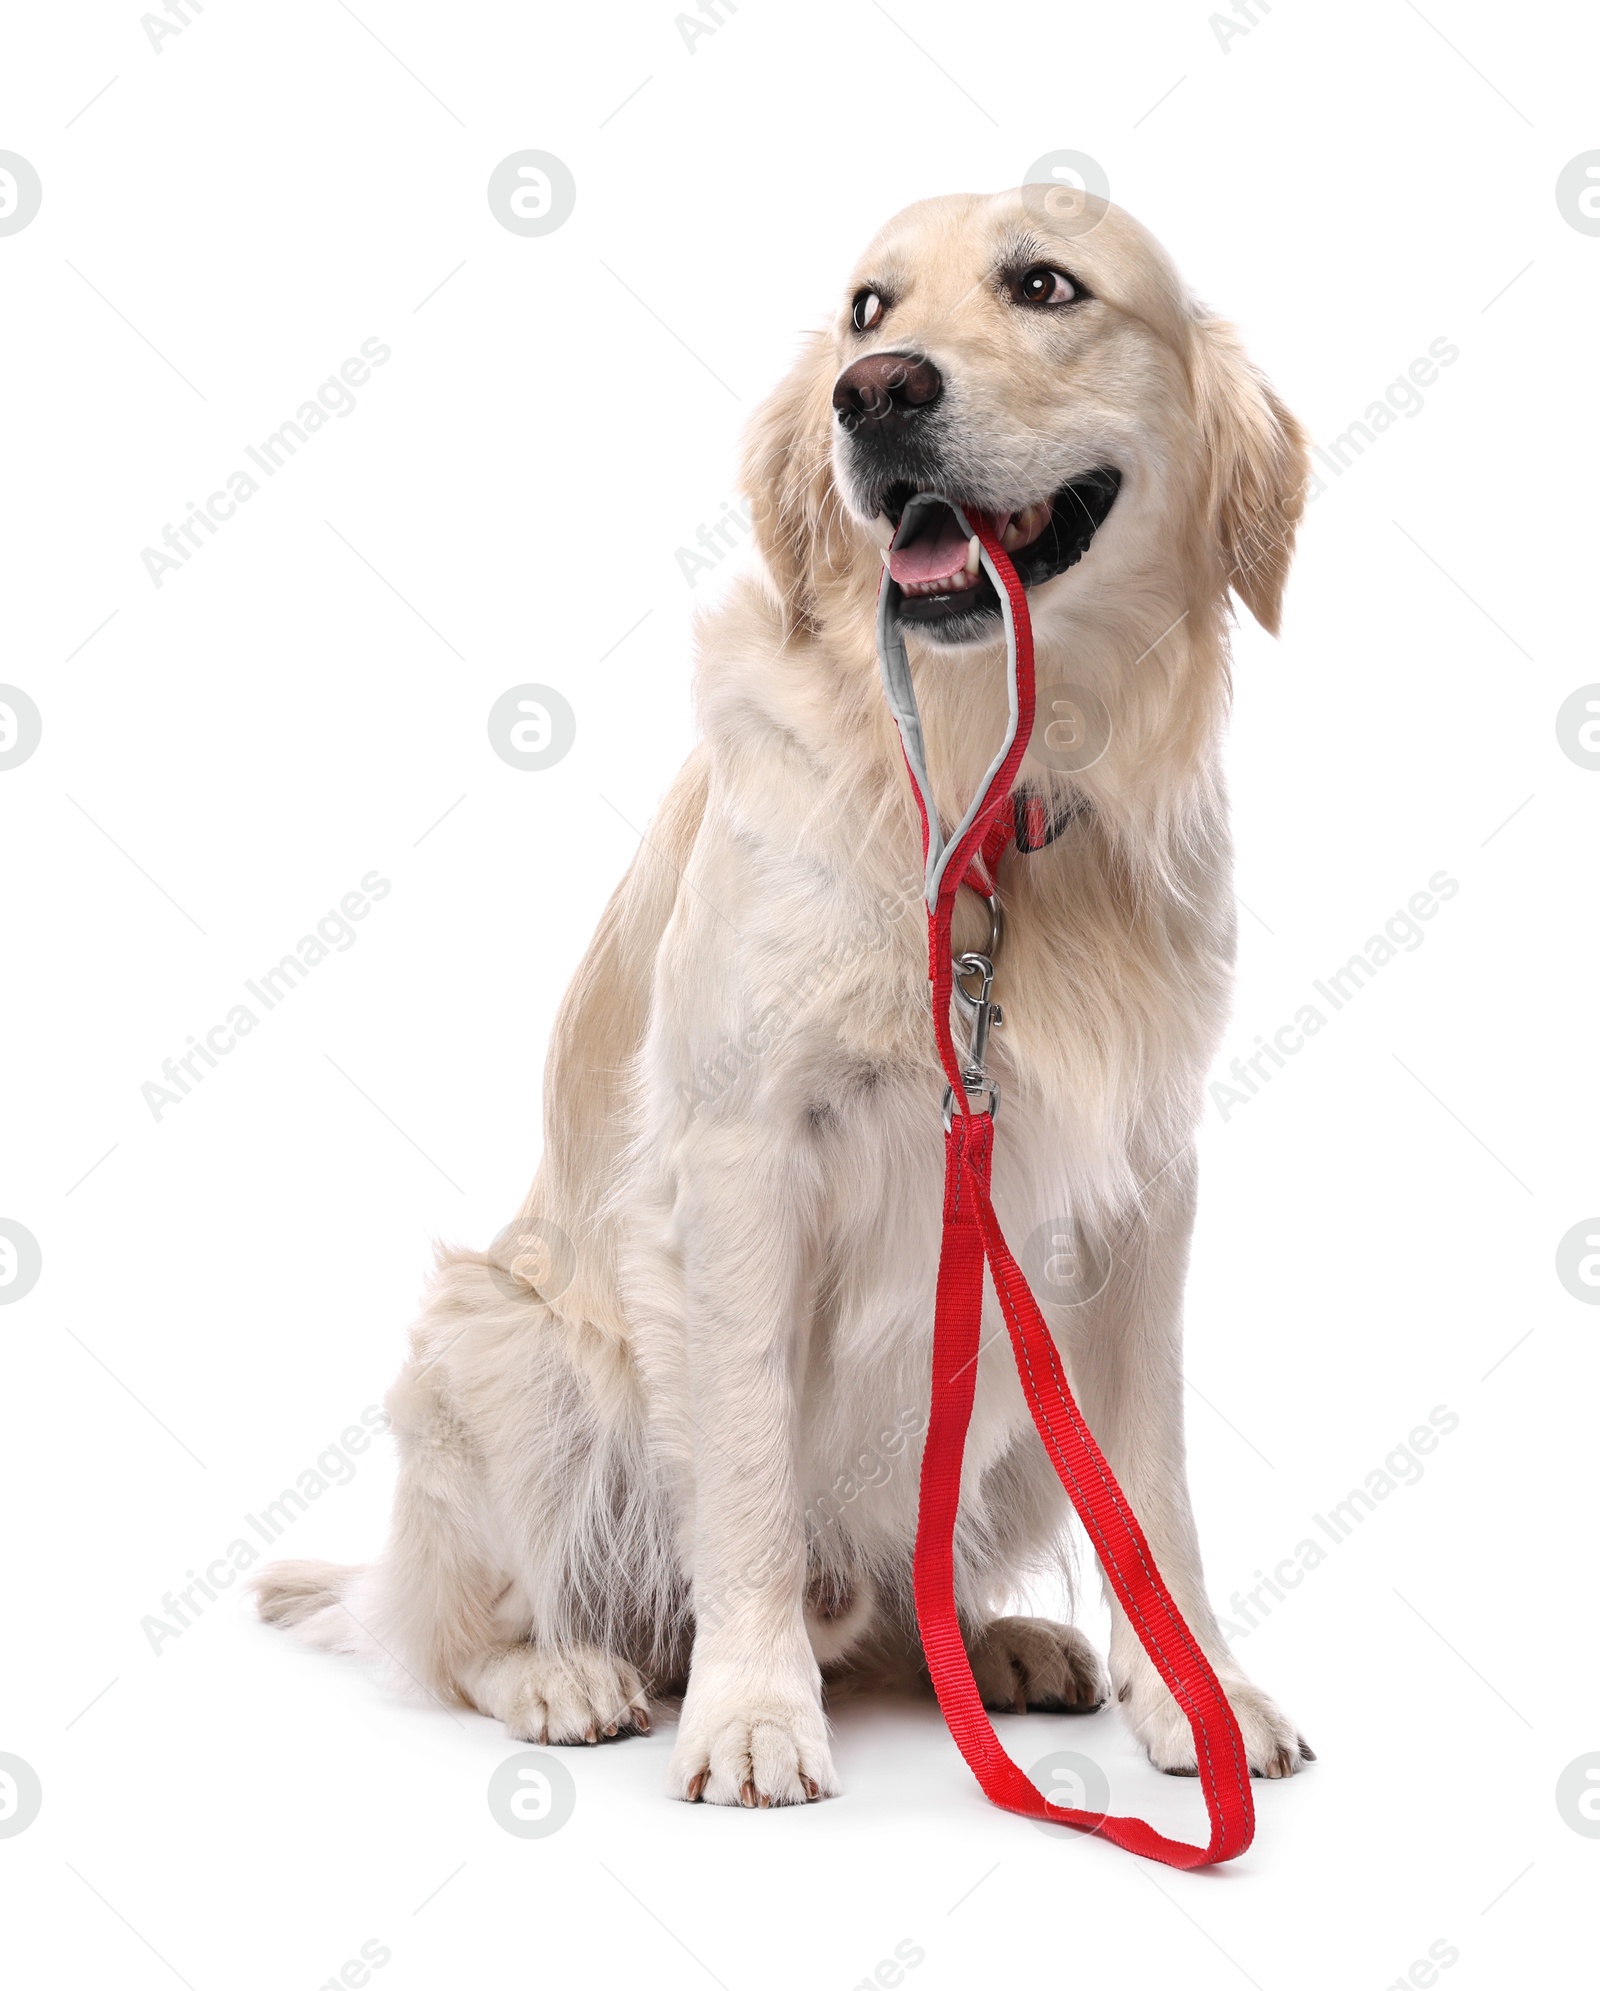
[(789, 1028), (802, 936)]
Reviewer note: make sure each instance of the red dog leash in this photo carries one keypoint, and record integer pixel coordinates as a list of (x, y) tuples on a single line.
[(973, 1239)]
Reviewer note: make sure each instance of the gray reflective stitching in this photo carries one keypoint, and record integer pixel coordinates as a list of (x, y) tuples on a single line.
[(895, 669)]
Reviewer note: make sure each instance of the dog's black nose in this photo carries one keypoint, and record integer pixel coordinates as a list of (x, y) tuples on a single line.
[(886, 384)]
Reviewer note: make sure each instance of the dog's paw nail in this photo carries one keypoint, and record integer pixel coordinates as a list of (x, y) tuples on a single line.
[(697, 1784), (765, 1802), (747, 1795), (1306, 1749), (610, 1728), (641, 1721), (590, 1734), (809, 1786)]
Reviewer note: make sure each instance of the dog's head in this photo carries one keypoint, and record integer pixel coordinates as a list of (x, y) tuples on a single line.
[(1052, 373)]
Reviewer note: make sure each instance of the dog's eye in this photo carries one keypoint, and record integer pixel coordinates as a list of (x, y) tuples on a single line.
[(866, 311), (1043, 285)]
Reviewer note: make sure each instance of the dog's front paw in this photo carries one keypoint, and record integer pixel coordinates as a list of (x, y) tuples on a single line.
[(1273, 1747), (1022, 1663), (750, 1743)]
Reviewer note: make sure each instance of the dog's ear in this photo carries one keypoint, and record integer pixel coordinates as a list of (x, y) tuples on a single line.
[(786, 473), (1258, 466)]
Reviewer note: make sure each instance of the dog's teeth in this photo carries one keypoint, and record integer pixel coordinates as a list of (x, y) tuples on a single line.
[(1025, 526), (883, 555), (881, 530), (972, 554)]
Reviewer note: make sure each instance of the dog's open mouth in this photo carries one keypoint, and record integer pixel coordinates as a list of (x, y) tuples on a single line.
[(938, 571)]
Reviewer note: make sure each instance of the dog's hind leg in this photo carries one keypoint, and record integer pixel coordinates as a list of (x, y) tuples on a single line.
[(469, 1628), (517, 1579), (427, 1609)]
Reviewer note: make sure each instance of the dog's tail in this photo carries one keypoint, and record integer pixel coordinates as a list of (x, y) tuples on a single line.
[(309, 1600)]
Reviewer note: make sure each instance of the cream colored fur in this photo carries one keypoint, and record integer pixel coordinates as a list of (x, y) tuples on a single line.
[(695, 1465)]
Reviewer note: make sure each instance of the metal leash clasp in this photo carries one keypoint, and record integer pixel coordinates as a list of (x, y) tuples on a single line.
[(986, 1015)]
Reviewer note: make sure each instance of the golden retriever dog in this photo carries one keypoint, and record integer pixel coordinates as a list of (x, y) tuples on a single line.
[(663, 1437)]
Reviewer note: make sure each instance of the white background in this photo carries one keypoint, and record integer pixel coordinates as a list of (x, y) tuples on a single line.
[(224, 757)]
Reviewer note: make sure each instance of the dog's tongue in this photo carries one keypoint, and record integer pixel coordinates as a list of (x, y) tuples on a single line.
[(937, 549)]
